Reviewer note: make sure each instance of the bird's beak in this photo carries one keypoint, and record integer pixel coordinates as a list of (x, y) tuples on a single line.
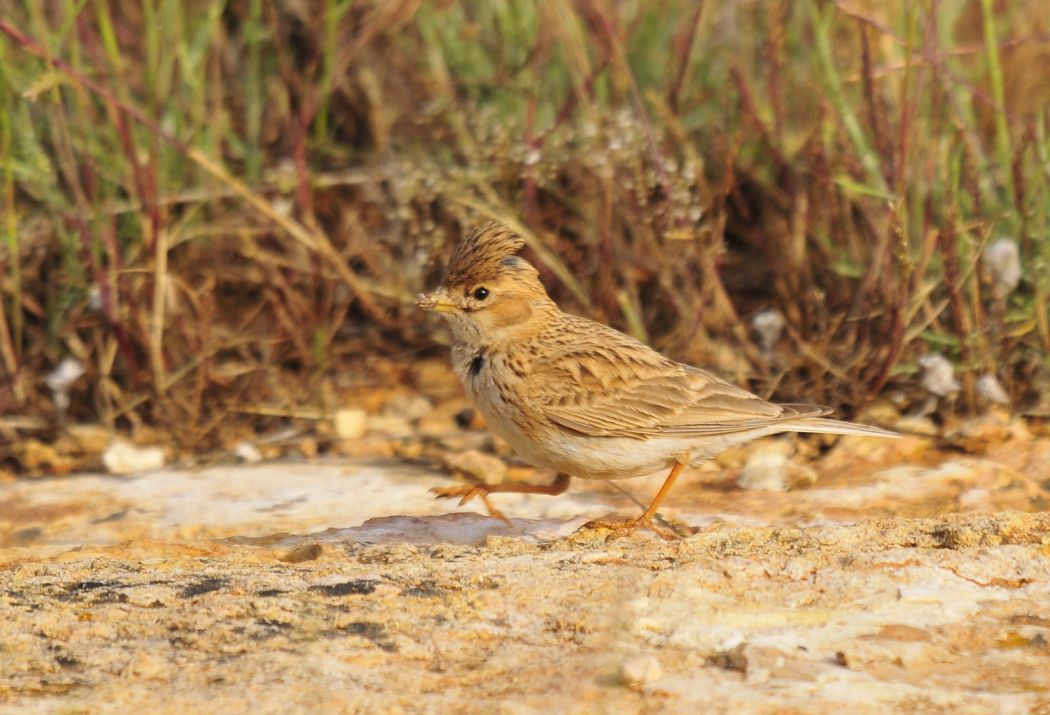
[(437, 301)]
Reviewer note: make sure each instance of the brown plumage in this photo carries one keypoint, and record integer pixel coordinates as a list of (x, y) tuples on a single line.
[(579, 397), (478, 257)]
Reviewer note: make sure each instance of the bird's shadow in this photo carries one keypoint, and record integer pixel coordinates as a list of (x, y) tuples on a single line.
[(462, 528)]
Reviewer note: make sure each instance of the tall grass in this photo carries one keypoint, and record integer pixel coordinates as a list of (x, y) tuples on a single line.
[(218, 206)]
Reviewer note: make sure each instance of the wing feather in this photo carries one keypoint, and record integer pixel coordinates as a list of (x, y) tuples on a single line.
[(623, 388)]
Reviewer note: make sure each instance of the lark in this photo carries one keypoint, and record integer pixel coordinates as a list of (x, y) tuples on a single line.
[(580, 398)]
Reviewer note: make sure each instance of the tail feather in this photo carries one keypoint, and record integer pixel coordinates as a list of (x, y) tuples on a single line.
[(821, 425)]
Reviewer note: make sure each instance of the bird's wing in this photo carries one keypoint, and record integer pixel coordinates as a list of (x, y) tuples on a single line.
[(603, 383)]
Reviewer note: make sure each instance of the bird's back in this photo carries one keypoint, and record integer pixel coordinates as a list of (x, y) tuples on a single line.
[(595, 380)]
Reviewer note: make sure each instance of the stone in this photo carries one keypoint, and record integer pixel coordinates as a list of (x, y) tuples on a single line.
[(769, 468), (435, 377), (974, 499), (89, 438), (881, 412), (938, 375), (756, 663), (1002, 261), (125, 458), (640, 671), (916, 425), (365, 447), (307, 447), (977, 435), (247, 452), (444, 420), (991, 390), (408, 407), (394, 426), (61, 379), (477, 465), (350, 423), (40, 459), (768, 326)]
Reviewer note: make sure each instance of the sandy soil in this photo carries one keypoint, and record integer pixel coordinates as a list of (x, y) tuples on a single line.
[(905, 579)]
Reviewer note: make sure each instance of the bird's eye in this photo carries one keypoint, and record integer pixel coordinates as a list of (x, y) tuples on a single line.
[(481, 293)]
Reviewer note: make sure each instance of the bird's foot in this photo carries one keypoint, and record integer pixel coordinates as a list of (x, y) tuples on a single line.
[(667, 530), (466, 493)]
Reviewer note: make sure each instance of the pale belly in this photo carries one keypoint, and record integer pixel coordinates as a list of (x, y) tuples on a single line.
[(538, 444), (617, 457), (546, 446), (598, 457), (587, 457)]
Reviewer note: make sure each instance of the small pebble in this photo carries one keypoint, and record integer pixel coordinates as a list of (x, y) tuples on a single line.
[(769, 468), (764, 472), (640, 671), (408, 407), (757, 663), (990, 389), (61, 379), (350, 423), (1003, 262), (247, 452), (482, 467), (768, 326), (938, 375), (67, 372), (124, 458), (974, 498)]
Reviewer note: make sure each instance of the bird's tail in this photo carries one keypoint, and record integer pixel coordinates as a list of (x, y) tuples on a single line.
[(823, 425)]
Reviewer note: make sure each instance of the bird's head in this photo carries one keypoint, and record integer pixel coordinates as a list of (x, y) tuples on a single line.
[(488, 293)]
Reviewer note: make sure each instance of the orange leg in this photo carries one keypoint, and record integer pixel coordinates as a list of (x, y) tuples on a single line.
[(645, 519), (466, 492)]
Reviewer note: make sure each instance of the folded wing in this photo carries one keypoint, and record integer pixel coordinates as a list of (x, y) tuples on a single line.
[(610, 385)]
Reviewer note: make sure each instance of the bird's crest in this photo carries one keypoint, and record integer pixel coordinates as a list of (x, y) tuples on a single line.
[(482, 255)]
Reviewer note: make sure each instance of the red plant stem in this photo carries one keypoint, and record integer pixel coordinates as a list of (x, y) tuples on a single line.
[(569, 106), (33, 48), (953, 277), (685, 51), (747, 101), (109, 308)]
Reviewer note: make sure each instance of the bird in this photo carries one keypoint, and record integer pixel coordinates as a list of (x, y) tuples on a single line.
[(580, 398)]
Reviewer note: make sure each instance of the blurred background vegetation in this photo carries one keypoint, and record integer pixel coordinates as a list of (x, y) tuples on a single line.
[(222, 209)]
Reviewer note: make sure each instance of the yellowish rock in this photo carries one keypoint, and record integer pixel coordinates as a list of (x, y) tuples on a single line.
[(979, 434), (769, 467), (640, 670), (916, 425), (365, 448), (477, 465), (247, 452), (124, 458), (307, 447), (435, 377), (391, 425), (350, 423), (90, 437), (40, 459), (409, 449), (408, 407)]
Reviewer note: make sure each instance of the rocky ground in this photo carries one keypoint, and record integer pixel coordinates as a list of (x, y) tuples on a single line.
[(904, 576)]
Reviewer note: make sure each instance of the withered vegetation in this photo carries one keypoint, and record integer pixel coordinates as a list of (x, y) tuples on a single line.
[(223, 210)]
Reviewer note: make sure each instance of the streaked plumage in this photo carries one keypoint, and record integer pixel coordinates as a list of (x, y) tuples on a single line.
[(579, 397)]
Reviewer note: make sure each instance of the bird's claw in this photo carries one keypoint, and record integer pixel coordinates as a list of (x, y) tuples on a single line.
[(466, 493), (621, 527)]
